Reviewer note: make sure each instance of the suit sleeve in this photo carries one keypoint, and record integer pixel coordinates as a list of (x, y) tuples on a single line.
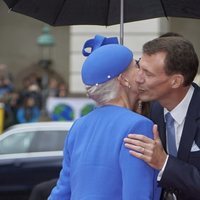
[(181, 177), (138, 177), (62, 189)]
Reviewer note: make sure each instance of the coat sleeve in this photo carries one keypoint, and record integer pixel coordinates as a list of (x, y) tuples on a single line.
[(139, 179), (62, 189)]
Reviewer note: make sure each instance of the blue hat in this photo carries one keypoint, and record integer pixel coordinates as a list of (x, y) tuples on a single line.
[(105, 62)]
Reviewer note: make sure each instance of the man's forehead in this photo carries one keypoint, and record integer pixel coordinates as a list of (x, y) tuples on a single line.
[(158, 58), (156, 54), (153, 63)]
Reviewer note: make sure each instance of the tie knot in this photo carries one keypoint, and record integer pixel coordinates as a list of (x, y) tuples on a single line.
[(169, 118)]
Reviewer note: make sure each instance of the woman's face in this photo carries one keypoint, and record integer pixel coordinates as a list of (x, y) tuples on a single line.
[(130, 75)]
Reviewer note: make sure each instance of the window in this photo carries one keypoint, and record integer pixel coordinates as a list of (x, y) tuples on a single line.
[(16, 143), (48, 141)]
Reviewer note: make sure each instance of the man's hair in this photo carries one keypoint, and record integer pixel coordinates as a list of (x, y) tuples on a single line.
[(180, 57), (103, 93)]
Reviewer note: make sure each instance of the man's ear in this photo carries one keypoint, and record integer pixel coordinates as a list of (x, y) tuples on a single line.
[(177, 80)]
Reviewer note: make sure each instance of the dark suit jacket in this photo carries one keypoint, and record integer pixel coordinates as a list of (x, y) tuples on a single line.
[(182, 174)]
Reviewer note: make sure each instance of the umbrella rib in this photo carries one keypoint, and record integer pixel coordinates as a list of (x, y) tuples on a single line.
[(13, 4), (163, 7), (57, 15), (108, 10)]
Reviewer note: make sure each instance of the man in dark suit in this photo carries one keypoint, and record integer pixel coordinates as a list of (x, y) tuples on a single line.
[(166, 72)]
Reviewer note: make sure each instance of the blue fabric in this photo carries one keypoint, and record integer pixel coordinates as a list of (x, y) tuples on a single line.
[(105, 63), (5, 89), (97, 42), (34, 113), (96, 164)]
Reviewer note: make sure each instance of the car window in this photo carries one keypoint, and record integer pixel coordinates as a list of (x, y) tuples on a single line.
[(48, 141), (16, 143), (35, 141)]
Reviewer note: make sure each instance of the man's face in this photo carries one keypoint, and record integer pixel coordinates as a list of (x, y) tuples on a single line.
[(153, 83)]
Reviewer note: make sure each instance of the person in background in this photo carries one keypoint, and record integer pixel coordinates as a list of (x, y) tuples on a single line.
[(11, 102), (96, 164), (167, 69), (52, 87), (6, 81), (29, 111), (62, 90), (171, 34), (5, 86), (42, 190)]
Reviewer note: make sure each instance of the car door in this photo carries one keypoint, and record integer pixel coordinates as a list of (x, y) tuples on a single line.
[(28, 158), (13, 149), (45, 156)]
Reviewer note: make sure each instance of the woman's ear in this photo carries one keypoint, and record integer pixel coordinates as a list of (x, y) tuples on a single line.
[(123, 81)]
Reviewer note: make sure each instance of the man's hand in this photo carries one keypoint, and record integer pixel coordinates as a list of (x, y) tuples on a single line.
[(147, 149)]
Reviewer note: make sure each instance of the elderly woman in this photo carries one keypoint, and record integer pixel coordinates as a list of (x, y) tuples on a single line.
[(96, 164)]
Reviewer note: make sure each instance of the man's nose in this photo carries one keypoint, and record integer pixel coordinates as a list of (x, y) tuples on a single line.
[(139, 76)]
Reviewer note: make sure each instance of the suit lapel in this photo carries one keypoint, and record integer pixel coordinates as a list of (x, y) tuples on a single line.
[(190, 127), (162, 128)]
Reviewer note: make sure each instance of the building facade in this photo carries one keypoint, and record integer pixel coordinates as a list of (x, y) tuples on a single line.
[(19, 49)]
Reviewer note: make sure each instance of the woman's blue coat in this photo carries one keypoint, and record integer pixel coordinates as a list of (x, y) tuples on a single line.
[(96, 164)]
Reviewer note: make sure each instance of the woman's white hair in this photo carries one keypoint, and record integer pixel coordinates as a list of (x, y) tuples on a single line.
[(103, 93)]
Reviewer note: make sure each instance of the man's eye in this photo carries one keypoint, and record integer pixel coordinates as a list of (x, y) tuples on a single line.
[(148, 74)]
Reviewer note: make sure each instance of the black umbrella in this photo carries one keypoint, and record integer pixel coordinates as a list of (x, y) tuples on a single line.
[(103, 12)]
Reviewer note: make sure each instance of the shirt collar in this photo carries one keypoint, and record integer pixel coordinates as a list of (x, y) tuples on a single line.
[(179, 112)]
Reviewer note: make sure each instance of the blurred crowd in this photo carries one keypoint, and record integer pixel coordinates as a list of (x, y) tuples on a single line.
[(27, 104)]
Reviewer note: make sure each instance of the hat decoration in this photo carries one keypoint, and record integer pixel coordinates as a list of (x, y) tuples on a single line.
[(107, 60)]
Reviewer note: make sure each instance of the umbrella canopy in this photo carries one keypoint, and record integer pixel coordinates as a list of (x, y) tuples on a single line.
[(103, 12), (86, 12)]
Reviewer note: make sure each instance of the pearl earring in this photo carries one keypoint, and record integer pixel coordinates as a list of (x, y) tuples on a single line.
[(139, 107)]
